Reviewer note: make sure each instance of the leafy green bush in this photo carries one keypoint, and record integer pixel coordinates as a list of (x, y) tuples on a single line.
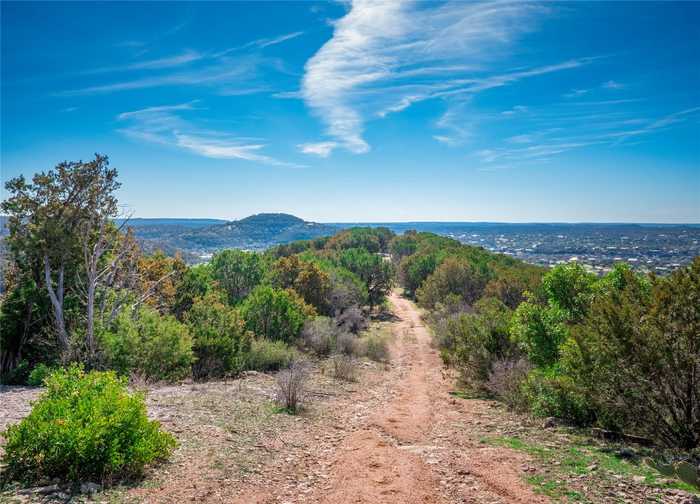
[(569, 288), (376, 273), (550, 393), (18, 376), (86, 426), (38, 375), (539, 331), (156, 347), (275, 314), (237, 272), (640, 348), (266, 355), (454, 276), (473, 341), (307, 279), (220, 340)]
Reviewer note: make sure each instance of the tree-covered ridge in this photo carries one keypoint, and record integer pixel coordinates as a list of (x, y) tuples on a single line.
[(621, 351), (254, 232), (81, 289)]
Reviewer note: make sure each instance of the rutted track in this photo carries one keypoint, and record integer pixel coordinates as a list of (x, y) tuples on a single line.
[(415, 447)]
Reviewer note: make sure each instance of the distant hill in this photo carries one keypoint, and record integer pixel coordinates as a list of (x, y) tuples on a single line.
[(197, 236)]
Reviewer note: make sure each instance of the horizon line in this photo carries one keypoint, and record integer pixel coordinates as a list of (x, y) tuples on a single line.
[(648, 223)]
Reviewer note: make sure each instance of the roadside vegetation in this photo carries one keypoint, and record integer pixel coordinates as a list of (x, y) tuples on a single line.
[(85, 310), (620, 353), (91, 317)]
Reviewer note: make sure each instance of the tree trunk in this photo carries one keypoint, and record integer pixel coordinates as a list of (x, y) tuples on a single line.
[(56, 297), (90, 331)]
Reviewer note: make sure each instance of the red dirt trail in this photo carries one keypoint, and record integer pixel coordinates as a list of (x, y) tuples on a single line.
[(409, 450)]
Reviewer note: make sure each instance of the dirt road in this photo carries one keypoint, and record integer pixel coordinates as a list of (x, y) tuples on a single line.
[(416, 447), (395, 435)]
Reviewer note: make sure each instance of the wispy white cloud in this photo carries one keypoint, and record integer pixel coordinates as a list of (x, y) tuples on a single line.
[(521, 139), (611, 84), (225, 72), (277, 40), (607, 102), (160, 112), (320, 149), (574, 132), (577, 93), (659, 124), (537, 151), (153, 64), (518, 109), (233, 74), (386, 56), (165, 125), (608, 85)]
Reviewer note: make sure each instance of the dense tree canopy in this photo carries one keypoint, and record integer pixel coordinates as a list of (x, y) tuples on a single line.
[(237, 272)]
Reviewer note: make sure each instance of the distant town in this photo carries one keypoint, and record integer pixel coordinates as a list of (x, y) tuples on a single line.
[(645, 248), (657, 248)]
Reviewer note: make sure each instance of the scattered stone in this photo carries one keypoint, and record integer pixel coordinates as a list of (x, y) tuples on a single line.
[(90, 488), (44, 490), (625, 453)]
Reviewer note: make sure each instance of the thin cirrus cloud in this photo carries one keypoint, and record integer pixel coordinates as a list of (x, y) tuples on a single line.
[(224, 72), (566, 132), (277, 40), (235, 71), (165, 125), (188, 56), (361, 72)]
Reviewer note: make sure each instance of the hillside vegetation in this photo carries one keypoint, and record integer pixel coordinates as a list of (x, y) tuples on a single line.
[(256, 232), (87, 310), (621, 352)]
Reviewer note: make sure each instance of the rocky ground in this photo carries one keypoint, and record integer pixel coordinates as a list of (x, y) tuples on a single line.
[(399, 434)]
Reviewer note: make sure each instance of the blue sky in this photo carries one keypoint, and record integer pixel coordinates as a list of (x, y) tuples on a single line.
[(362, 111)]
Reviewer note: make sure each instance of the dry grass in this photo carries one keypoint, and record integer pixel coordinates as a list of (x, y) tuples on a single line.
[(291, 386), (344, 367)]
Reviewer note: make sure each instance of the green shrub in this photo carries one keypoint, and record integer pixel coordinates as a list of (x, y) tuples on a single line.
[(38, 375), (376, 273), (237, 272), (640, 348), (454, 276), (156, 347), (569, 288), (477, 340), (85, 427), (275, 314), (220, 340), (539, 331), (266, 355), (550, 393), (18, 376)]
